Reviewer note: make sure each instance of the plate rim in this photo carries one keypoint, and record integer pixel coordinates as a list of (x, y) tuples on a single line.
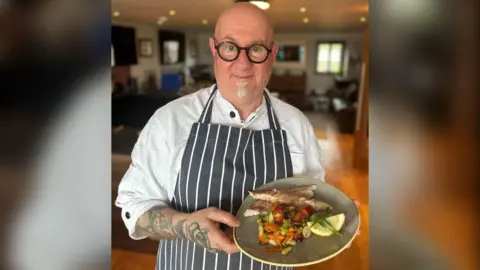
[(305, 263)]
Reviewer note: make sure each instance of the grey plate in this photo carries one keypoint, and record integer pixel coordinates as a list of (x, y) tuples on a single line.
[(312, 250)]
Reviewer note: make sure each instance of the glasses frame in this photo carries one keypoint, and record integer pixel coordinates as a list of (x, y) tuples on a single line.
[(239, 51)]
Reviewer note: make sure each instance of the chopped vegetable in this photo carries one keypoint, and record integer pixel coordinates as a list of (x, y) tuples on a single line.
[(288, 238), (298, 236), (274, 206), (284, 226), (262, 239), (286, 250), (306, 232), (309, 210), (271, 227), (270, 218), (298, 217), (278, 217), (272, 242)]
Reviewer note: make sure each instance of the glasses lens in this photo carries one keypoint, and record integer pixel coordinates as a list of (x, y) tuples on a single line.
[(258, 53), (228, 50)]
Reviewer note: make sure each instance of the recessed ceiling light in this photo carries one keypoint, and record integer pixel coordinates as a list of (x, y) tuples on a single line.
[(303, 9), (172, 12), (116, 13), (263, 4), (204, 21), (363, 19), (161, 20), (305, 20)]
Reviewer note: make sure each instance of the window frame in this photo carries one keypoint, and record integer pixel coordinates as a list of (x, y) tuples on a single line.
[(342, 56)]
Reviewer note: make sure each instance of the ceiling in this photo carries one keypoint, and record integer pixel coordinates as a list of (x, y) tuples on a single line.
[(285, 14)]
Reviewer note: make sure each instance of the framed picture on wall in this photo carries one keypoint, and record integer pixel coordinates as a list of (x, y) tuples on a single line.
[(145, 47)]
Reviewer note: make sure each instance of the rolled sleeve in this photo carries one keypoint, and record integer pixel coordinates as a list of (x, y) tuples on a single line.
[(146, 183), (132, 212)]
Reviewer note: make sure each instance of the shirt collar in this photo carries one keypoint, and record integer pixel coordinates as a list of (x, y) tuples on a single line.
[(226, 106)]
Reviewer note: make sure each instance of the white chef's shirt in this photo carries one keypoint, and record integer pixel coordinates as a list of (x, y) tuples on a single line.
[(156, 158)]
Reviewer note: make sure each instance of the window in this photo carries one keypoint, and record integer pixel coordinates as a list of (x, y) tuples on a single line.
[(330, 57)]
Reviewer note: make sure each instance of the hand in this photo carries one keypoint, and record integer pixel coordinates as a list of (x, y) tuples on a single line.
[(203, 228), (357, 204)]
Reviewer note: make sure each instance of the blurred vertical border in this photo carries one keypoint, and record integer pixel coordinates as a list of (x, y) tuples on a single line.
[(424, 134), (55, 128)]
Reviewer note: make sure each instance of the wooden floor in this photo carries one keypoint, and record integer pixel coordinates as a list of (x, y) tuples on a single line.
[(139, 255)]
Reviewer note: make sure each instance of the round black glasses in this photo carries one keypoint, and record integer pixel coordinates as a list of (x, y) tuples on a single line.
[(229, 52)]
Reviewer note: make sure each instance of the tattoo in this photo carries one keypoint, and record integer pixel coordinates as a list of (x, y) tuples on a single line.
[(200, 236), (158, 224), (179, 229)]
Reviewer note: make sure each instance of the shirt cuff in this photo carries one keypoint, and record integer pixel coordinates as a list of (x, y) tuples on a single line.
[(131, 214)]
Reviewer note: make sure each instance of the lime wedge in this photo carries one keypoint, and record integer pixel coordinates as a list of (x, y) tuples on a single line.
[(320, 230), (336, 221)]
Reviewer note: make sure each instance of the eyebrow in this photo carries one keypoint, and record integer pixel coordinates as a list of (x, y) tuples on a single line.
[(258, 41)]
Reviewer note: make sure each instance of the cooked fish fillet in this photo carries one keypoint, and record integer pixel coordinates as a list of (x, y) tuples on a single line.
[(298, 197), (261, 207), (258, 207), (269, 195), (318, 205)]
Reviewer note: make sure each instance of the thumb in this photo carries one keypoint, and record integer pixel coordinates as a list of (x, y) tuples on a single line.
[(223, 217)]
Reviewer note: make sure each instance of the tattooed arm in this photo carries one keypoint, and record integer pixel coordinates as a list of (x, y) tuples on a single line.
[(162, 223), (201, 227)]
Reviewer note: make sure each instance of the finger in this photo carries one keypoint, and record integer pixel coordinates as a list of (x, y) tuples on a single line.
[(223, 242), (224, 217), (357, 203)]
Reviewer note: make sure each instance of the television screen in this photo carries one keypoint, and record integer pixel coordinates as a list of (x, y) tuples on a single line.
[(290, 53)]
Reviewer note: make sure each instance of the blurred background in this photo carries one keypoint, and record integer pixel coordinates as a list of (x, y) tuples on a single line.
[(160, 51), (79, 79)]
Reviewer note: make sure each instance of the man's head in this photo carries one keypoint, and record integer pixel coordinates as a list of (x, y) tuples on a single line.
[(240, 80)]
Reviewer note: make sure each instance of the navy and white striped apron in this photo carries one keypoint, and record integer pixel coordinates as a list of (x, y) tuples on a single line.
[(219, 166)]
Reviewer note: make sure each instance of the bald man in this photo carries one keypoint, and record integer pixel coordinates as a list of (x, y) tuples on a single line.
[(198, 156)]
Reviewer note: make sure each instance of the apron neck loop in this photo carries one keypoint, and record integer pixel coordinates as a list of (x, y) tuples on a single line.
[(272, 117), (206, 115)]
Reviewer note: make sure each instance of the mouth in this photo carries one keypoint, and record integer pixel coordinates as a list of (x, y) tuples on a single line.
[(244, 77)]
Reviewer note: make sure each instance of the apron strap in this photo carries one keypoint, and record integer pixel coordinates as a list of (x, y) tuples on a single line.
[(272, 117), (206, 115)]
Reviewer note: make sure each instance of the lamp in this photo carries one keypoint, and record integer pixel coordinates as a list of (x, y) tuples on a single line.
[(263, 4)]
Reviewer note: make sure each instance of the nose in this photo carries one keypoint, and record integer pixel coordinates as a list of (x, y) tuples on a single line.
[(243, 59)]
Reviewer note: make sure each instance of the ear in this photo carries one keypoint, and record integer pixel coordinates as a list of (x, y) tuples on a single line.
[(212, 47), (274, 53)]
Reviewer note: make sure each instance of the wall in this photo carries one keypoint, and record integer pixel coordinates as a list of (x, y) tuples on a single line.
[(353, 40), (353, 43), (320, 83), (145, 65)]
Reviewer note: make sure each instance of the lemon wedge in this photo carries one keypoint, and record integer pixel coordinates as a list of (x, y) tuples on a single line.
[(336, 221), (320, 230)]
